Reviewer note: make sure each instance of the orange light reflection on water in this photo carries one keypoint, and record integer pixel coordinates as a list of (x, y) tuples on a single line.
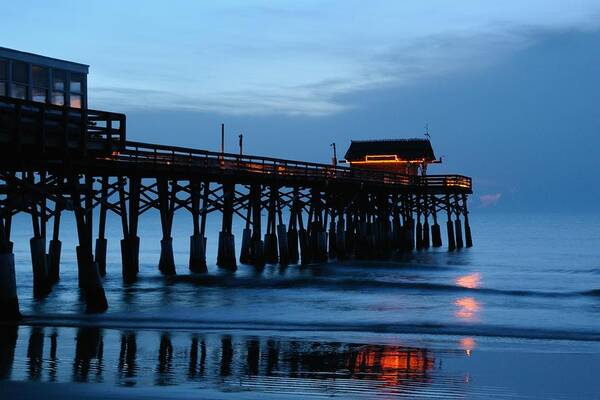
[(471, 281), (468, 308), (467, 344)]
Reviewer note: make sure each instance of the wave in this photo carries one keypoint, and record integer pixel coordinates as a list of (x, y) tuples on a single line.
[(592, 293), (359, 284), (159, 323)]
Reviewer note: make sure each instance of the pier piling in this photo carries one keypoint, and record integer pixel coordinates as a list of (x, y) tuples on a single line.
[(54, 249), (226, 248), (166, 200)]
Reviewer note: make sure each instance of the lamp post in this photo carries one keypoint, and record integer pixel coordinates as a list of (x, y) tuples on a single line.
[(241, 137), (334, 160)]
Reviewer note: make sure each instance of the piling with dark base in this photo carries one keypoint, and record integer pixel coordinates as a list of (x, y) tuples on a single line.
[(409, 232), (258, 253), (91, 283), (292, 242), (41, 283), (226, 252), (9, 302), (100, 255), (468, 238), (54, 260), (166, 264), (450, 231), (197, 261), (271, 255), (246, 251), (426, 238), (130, 250), (458, 234), (321, 249), (340, 237), (305, 253), (284, 258), (419, 235), (436, 235)]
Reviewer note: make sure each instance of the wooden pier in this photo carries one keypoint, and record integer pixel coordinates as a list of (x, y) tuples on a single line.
[(56, 159)]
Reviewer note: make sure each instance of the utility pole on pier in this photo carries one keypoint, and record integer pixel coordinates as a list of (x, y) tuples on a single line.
[(223, 139), (334, 160)]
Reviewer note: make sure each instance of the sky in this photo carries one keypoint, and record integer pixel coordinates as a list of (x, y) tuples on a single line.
[(510, 90)]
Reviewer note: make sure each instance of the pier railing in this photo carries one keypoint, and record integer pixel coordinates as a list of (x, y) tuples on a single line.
[(24, 122), (162, 156)]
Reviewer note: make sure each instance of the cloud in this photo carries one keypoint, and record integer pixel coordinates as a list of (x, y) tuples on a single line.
[(489, 200), (253, 58)]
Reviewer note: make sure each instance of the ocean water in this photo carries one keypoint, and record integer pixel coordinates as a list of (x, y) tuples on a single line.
[(517, 315)]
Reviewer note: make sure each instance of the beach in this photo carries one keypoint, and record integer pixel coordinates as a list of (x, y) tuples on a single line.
[(516, 316)]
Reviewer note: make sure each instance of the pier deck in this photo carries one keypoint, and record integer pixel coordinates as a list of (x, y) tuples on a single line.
[(57, 159)]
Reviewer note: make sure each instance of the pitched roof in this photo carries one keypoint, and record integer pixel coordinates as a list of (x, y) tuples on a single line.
[(406, 149)]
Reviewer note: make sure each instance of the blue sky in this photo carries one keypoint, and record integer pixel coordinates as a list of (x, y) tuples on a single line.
[(507, 87)]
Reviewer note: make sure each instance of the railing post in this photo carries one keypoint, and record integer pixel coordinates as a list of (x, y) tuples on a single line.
[(109, 133)]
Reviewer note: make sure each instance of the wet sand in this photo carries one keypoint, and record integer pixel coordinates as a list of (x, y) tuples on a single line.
[(93, 362)]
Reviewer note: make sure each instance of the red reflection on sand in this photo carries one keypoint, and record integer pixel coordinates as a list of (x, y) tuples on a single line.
[(393, 364), (471, 281), (468, 308)]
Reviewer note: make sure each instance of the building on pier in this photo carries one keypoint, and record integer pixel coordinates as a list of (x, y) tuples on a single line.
[(406, 156), (41, 79)]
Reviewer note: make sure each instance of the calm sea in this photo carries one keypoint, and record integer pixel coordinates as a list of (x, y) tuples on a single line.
[(516, 315)]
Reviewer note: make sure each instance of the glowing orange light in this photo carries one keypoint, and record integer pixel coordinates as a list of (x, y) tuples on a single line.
[(386, 159), (471, 281), (468, 308), (467, 344)]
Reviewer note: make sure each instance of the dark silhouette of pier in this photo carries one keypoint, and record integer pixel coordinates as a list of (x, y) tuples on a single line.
[(56, 159)]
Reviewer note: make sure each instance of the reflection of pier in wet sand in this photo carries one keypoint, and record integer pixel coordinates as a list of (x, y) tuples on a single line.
[(127, 358)]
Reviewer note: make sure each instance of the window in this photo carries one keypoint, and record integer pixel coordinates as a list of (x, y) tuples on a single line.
[(3, 77), (76, 83), (3, 70), (19, 91), (39, 77), (59, 79), (75, 100), (39, 94), (21, 72), (20, 80), (75, 90)]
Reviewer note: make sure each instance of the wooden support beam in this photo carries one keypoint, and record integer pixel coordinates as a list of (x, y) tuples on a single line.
[(449, 225), (292, 234), (257, 251), (425, 236), (166, 264), (101, 242), (55, 247), (9, 302), (282, 239), (37, 244), (197, 262), (271, 248), (436, 234), (226, 251), (457, 224), (91, 283), (468, 237)]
